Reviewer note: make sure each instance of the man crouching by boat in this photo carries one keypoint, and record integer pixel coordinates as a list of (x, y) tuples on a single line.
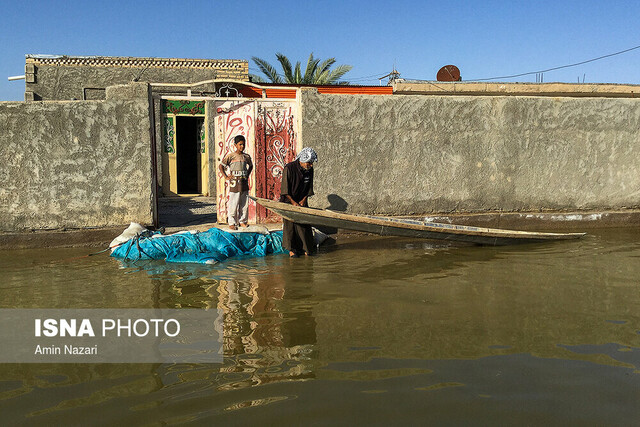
[(297, 186)]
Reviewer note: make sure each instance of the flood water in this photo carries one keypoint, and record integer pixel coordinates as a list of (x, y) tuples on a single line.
[(372, 330)]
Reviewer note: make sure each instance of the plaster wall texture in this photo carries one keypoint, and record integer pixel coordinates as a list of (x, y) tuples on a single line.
[(75, 164), (409, 87), (68, 82), (402, 155)]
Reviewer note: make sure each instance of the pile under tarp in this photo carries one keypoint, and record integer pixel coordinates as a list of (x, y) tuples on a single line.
[(208, 247)]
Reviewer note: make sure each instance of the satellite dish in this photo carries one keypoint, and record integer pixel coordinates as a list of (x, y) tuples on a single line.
[(449, 73)]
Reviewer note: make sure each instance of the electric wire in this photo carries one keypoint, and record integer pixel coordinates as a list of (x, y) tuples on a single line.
[(374, 76), (560, 67)]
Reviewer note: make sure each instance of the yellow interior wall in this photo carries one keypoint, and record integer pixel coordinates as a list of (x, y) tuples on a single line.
[(170, 164)]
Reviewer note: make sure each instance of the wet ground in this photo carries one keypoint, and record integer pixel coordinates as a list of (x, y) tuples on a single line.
[(181, 212)]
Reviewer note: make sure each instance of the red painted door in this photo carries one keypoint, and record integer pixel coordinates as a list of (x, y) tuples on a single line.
[(276, 145)]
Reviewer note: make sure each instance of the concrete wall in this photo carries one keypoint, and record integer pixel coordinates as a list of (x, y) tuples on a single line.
[(76, 164), (606, 90), (422, 154), (52, 82)]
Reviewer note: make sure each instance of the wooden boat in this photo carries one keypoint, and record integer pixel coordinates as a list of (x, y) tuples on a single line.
[(409, 228)]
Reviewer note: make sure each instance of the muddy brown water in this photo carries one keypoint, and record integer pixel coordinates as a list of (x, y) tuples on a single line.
[(372, 330)]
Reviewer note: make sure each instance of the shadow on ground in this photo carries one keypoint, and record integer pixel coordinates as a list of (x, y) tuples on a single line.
[(186, 211)]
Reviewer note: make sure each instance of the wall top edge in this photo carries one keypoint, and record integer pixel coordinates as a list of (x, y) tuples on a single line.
[(117, 61)]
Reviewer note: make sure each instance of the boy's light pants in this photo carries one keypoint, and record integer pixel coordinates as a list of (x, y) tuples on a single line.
[(238, 205)]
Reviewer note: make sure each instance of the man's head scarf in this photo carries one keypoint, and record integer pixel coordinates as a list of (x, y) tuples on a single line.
[(307, 155)]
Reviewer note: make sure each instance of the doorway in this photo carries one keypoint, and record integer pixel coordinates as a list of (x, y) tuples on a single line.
[(270, 128), (188, 150)]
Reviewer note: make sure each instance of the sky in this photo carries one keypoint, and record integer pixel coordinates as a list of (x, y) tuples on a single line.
[(484, 39)]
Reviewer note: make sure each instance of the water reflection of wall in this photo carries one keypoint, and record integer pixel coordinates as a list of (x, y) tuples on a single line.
[(262, 335), (259, 337), (264, 340)]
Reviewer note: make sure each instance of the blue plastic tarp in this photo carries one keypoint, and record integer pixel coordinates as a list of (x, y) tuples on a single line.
[(213, 245)]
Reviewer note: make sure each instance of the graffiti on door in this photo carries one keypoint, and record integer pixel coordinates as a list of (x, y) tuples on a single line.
[(276, 139), (233, 118), (270, 130)]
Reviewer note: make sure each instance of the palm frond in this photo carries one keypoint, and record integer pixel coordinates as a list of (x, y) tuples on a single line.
[(286, 67), (312, 65), (297, 74), (316, 72), (267, 69), (336, 73), (322, 71), (325, 65), (321, 79)]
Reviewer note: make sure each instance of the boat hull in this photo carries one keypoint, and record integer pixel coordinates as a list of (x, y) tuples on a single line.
[(408, 228)]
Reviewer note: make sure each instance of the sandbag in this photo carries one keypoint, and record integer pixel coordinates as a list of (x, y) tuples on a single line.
[(208, 247)]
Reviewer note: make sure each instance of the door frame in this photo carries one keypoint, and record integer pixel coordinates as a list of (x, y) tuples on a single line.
[(210, 158), (187, 107), (226, 111)]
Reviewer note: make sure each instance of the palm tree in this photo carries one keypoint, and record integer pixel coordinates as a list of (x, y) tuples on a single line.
[(316, 72)]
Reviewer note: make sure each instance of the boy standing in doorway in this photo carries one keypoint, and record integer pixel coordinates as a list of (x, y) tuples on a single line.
[(239, 166)]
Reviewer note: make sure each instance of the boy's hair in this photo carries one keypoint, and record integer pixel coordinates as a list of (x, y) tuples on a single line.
[(239, 138)]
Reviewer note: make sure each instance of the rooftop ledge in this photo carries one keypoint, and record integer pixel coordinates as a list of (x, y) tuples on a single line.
[(517, 89)]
